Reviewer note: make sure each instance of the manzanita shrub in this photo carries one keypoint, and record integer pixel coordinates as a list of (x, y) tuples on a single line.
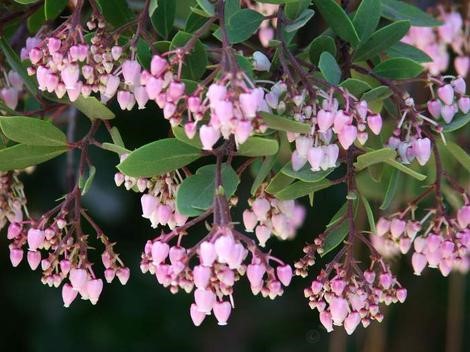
[(371, 102)]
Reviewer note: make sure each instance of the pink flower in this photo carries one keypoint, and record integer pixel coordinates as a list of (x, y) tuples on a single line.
[(315, 158), (249, 104), (68, 295), (123, 275), (78, 278), (35, 238), (284, 274), (131, 72), (93, 289), (196, 316), (261, 207), (70, 75), (201, 276), (207, 253), (375, 123), (209, 136), (222, 312), (422, 150), (347, 136), (419, 262), (204, 300), (160, 252), (351, 322), (255, 273), (158, 65), (339, 310), (34, 258), (325, 120), (249, 220), (325, 319), (16, 256), (446, 94)]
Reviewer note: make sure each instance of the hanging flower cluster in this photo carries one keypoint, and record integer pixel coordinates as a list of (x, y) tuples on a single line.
[(11, 87), (12, 199)]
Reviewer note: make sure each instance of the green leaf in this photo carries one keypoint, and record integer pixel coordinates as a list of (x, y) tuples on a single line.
[(281, 123), (194, 22), (305, 174), (115, 148), (158, 158), (377, 93), (246, 65), (338, 20), (406, 170), (164, 17), (367, 18), (319, 45), (32, 131), (374, 157), (300, 189), (26, 2), (398, 68), (329, 68), (459, 154), (355, 86), (262, 173), (116, 136), (93, 109), (369, 213), (15, 64), (381, 40), (207, 6), (458, 122), (300, 21), (36, 20), (152, 7), (85, 184), (21, 156), (180, 135), (242, 24), (408, 51), (144, 53), (53, 8), (293, 9), (116, 12), (392, 189), (278, 183), (195, 63), (400, 10), (196, 192), (258, 146)]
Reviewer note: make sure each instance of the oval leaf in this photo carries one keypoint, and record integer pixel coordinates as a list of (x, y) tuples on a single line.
[(32, 131), (398, 68), (21, 156), (282, 123), (329, 68)]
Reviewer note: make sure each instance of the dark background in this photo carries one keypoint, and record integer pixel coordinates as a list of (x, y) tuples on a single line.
[(143, 316)]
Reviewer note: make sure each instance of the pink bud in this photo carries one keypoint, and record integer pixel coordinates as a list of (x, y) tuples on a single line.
[(116, 52), (463, 216), (339, 310), (68, 295), (263, 233), (216, 92), (266, 34), (207, 253), (383, 226), (397, 227), (169, 110), (243, 131), (149, 205), (65, 266), (34, 258), (315, 157), (464, 104), (14, 230), (337, 286), (164, 213), (112, 84), (222, 312), (459, 85), (123, 275), (10, 97), (303, 145), (16, 256), (422, 150), (325, 120), (375, 123), (362, 109), (224, 246), (297, 161), (255, 273), (223, 110), (35, 55), (194, 104), (405, 245), (201, 276), (126, 100), (160, 252), (154, 87), (190, 129), (141, 97), (158, 65), (419, 262), (448, 112), (249, 220), (209, 136), (204, 299), (351, 322), (446, 94), (369, 276), (347, 136), (35, 239), (249, 104), (433, 242), (401, 294), (340, 120), (434, 108), (94, 288), (109, 275), (74, 92), (261, 207), (15, 80), (284, 274), (462, 64), (175, 91), (131, 72), (196, 316), (386, 280), (70, 75), (325, 319), (78, 278)]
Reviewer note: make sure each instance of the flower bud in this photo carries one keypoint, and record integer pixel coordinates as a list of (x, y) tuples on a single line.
[(158, 65), (222, 312), (68, 295), (446, 94), (375, 123), (422, 150), (284, 274), (261, 62), (196, 316), (209, 136), (204, 300)]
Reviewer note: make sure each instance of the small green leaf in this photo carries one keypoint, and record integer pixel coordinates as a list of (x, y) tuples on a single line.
[(319, 45), (355, 86), (116, 136), (242, 24), (367, 18), (196, 192), (300, 21), (53, 8), (300, 189), (381, 40), (392, 189), (144, 53), (306, 174), (398, 68), (408, 51), (458, 122), (32, 131), (258, 146), (36, 20), (152, 7), (282, 123), (369, 213), (262, 173), (116, 12), (158, 158), (21, 156), (207, 6), (93, 109), (194, 22), (278, 183), (377, 93), (329, 68), (400, 10), (85, 184), (26, 2), (374, 157), (459, 154), (195, 63), (338, 20), (115, 148), (406, 170), (163, 17)]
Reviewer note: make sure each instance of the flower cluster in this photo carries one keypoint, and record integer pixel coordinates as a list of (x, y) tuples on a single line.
[(222, 260), (159, 198), (451, 99), (12, 199), (55, 242), (453, 34), (11, 86), (347, 297), (270, 216)]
